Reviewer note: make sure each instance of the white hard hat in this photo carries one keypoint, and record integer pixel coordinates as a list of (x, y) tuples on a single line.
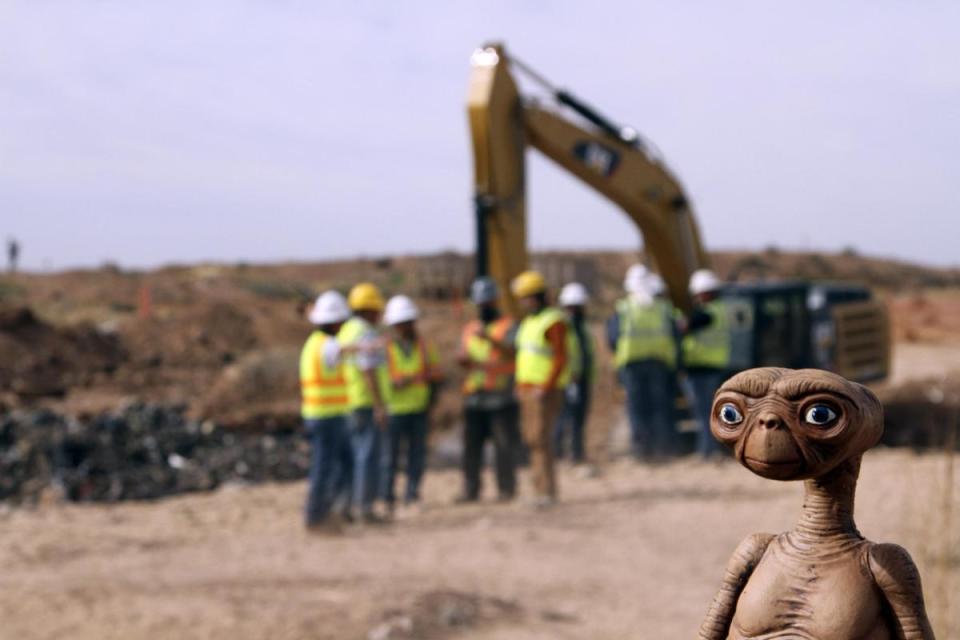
[(655, 284), (573, 295), (634, 281), (400, 309), (330, 308), (703, 281)]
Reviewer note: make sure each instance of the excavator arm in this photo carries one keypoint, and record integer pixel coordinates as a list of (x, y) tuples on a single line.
[(612, 160)]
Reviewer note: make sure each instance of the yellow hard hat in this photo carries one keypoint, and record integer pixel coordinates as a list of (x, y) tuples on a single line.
[(528, 283), (365, 296)]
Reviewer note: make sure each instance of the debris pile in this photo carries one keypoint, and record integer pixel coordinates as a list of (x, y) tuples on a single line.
[(139, 453)]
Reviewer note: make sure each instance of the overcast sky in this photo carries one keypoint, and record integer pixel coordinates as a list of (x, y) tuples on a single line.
[(165, 131)]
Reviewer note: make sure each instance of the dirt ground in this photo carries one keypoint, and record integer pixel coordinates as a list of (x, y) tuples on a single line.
[(635, 552)]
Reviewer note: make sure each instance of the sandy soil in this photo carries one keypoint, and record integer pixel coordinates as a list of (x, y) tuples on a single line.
[(635, 552)]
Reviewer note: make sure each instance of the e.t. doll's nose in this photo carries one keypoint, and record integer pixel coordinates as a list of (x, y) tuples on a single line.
[(769, 420)]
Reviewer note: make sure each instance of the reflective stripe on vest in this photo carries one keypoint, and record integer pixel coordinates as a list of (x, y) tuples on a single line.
[(534, 353), (358, 393), (497, 369), (419, 364), (323, 389), (710, 346), (646, 332)]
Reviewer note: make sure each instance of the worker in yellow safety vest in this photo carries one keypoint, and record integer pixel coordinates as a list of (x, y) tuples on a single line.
[(705, 350), (324, 408), (366, 377), (414, 374), (571, 425), (546, 360), (642, 336), (488, 355)]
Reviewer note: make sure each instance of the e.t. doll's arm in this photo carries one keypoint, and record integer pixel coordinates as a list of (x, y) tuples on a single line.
[(899, 580), (744, 560)]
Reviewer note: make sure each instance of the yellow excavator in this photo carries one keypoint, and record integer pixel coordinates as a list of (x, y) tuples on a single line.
[(792, 324)]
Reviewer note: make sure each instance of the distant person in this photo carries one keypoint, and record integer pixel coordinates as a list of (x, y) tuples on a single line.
[(324, 408), (487, 353), (13, 254), (641, 336), (414, 373), (545, 353), (571, 424), (365, 374), (705, 353)]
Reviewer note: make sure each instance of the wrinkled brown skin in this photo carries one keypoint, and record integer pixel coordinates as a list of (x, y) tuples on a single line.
[(822, 580)]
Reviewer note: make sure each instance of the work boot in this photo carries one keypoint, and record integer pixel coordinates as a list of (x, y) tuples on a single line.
[(327, 527), (540, 503), (372, 518)]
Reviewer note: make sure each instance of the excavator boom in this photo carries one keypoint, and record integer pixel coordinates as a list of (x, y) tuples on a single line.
[(609, 158)]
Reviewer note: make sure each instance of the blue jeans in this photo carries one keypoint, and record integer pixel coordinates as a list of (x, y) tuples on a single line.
[(573, 418), (700, 386), (330, 466), (650, 386), (365, 442), (409, 428)]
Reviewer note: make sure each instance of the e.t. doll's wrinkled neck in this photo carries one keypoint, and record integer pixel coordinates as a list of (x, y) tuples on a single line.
[(828, 508)]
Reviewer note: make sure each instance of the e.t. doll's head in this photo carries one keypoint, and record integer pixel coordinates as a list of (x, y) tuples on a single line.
[(787, 424)]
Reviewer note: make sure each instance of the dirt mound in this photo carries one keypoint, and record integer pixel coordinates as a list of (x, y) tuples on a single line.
[(207, 336), (260, 391), (923, 413), (220, 337), (926, 316), (849, 266), (40, 360)]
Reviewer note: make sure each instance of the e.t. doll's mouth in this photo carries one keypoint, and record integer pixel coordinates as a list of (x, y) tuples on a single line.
[(774, 469), (772, 463)]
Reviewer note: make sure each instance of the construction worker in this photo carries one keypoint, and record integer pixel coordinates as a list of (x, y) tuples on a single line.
[(668, 444), (545, 351), (641, 336), (365, 373), (705, 351), (490, 410), (324, 409), (576, 395), (414, 374)]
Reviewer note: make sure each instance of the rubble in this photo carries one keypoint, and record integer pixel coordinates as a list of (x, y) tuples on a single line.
[(140, 452)]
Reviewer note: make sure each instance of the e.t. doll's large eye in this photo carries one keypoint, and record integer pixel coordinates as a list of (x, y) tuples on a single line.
[(820, 415), (730, 415)]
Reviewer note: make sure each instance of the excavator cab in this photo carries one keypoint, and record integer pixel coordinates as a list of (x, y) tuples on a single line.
[(800, 325)]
